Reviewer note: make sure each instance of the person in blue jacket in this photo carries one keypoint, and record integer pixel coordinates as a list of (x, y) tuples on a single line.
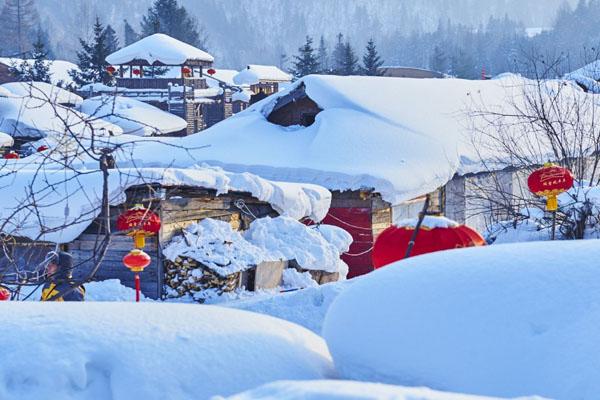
[(61, 286)]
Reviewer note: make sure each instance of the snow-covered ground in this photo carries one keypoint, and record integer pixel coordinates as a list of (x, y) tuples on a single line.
[(502, 320), (148, 351)]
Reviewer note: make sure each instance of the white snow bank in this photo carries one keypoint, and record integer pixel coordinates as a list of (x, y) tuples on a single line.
[(253, 74), (587, 76), (43, 91), (133, 116), (306, 307), (287, 239), (348, 390), (106, 290), (504, 320), (148, 351), (158, 47), (67, 202)]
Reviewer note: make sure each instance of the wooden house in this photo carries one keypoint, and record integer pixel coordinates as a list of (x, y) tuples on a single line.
[(264, 80), (169, 74)]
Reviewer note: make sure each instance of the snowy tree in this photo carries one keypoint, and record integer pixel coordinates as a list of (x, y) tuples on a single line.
[(371, 60), (129, 33), (338, 55), (349, 64), (306, 61), (323, 56), (92, 58), (438, 60), (39, 70), (112, 42), (166, 16), (19, 21)]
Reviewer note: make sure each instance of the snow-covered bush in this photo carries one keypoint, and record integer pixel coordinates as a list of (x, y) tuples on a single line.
[(506, 320)]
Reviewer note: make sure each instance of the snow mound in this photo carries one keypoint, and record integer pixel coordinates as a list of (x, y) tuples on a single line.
[(149, 351), (347, 390), (43, 91), (506, 320), (58, 69), (253, 74), (133, 116), (6, 140), (158, 47), (215, 244), (306, 307), (287, 239)]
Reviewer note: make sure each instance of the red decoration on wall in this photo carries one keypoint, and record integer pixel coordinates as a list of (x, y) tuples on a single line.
[(136, 72), (392, 243)]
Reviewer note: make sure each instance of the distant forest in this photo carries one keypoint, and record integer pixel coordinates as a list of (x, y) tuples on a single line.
[(454, 37)]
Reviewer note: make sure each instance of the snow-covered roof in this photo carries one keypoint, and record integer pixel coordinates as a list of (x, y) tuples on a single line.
[(81, 195), (224, 75), (6, 140), (587, 76), (36, 118), (133, 116), (253, 74), (59, 69), (42, 91), (159, 48)]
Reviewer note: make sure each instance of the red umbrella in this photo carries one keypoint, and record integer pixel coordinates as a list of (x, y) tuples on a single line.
[(435, 234)]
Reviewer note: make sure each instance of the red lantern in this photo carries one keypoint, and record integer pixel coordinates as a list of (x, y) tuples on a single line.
[(42, 148), (392, 243), (4, 294), (136, 72), (12, 155), (139, 222), (550, 181), (136, 260), (186, 71), (110, 69), (211, 71)]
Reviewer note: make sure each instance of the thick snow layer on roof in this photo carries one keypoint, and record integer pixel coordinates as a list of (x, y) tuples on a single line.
[(430, 221), (34, 117), (6, 140), (588, 76), (42, 91), (350, 390), (253, 74), (59, 69), (243, 95), (149, 351), (64, 210), (158, 47), (133, 116), (505, 320), (223, 75)]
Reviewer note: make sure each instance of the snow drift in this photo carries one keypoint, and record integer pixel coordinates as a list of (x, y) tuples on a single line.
[(347, 390), (148, 351), (504, 320)]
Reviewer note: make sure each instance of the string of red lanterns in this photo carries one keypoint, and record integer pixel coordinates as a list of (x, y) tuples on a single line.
[(138, 222)]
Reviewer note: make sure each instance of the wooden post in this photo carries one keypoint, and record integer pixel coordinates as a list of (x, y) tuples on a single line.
[(413, 238)]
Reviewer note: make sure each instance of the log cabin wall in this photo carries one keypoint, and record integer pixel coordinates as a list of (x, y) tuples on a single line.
[(364, 215), (177, 207)]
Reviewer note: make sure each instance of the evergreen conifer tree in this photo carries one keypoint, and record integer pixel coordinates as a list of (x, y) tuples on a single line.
[(306, 61), (338, 56), (37, 70), (129, 33), (19, 21), (111, 40), (323, 56), (92, 59), (349, 61), (371, 60), (438, 60), (166, 16)]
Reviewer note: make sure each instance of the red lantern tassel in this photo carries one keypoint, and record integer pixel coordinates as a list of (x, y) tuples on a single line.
[(137, 288)]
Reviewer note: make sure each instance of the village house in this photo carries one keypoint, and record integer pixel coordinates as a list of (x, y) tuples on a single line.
[(263, 80)]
